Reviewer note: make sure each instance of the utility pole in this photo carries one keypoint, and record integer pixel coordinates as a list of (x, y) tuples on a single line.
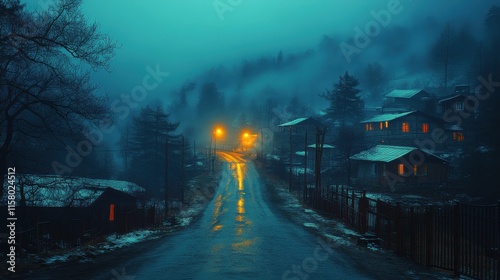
[(305, 170), (215, 153), (261, 145), (320, 139), (182, 170), (291, 155), (166, 178)]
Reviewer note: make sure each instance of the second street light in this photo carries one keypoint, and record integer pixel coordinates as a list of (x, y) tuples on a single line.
[(217, 132)]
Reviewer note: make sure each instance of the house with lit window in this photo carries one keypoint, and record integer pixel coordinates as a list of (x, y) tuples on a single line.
[(459, 115), (407, 128), (385, 165), (99, 202), (402, 100)]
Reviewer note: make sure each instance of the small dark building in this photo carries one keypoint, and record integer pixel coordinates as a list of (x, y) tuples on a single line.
[(70, 206), (296, 130), (385, 165), (409, 100)]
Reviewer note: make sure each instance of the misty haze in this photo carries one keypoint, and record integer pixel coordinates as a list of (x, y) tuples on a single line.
[(233, 139)]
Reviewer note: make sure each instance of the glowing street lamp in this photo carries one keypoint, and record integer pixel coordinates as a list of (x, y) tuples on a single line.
[(217, 132)]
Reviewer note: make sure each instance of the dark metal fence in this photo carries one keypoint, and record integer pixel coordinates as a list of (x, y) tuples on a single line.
[(43, 229), (461, 238)]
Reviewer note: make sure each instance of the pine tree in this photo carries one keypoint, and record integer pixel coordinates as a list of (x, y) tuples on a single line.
[(149, 132), (345, 103)]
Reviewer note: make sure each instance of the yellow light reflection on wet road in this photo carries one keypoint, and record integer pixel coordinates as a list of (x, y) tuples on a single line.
[(242, 239), (241, 206)]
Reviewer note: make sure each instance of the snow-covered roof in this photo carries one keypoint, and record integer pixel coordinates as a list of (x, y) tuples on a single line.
[(301, 122), (387, 117), (403, 93), (325, 146), (58, 191), (453, 127), (451, 98), (386, 153)]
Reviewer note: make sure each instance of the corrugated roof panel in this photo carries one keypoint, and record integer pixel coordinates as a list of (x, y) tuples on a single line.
[(403, 93), (383, 153), (387, 117), (301, 121)]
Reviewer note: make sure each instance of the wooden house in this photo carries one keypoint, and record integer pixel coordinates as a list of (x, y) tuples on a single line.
[(405, 128), (385, 165), (94, 203)]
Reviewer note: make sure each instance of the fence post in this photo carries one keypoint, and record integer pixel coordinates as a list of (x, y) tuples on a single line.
[(37, 239), (430, 235), (347, 206), (363, 212), (377, 218), (457, 235), (498, 236), (399, 234), (413, 241), (342, 214), (353, 216), (336, 206)]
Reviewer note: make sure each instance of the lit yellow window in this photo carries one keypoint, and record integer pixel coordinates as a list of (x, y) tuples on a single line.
[(405, 127), (460, 136), (454, 136), (401, 169), (425, 127), (386, 124), (381, 125), (367, 127), (415, 169)]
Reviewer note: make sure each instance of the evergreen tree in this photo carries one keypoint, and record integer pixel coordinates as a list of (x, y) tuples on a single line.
[(345, 103), (149, 132)]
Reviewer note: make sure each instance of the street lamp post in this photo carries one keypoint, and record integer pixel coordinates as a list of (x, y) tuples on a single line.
[(215, 152), (216, 132)]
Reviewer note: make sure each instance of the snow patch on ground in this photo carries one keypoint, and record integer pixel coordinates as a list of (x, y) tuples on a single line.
[(113, 242), (311, 225), (337, 239), (346, 231)]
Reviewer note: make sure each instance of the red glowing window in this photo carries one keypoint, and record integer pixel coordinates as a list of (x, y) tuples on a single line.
[(405, 127), (111, 212), (425, 128)]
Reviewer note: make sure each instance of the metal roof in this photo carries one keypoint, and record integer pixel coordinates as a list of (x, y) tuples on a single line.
[(325, 146), (301, 122), (386, 153), (383, 153), (59, 191), (453, 127), (387, 117), (403, 93), (451, 98)]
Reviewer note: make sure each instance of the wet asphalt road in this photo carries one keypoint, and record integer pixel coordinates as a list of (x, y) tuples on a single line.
[(239, 236)]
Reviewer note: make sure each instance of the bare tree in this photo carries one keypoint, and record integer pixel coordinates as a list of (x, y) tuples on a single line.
[(45, 87)]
